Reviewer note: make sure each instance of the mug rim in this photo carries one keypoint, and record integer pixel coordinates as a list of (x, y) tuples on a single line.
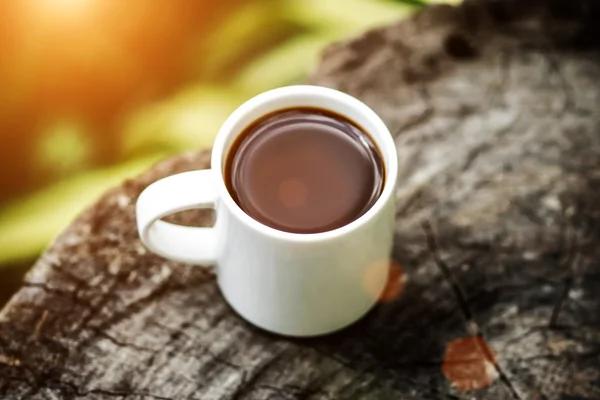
[(385, 144)]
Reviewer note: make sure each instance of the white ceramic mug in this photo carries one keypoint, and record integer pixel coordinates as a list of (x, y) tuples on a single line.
[(288, 283)]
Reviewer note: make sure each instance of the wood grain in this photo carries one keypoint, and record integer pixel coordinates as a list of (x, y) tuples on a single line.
[(496, 289)]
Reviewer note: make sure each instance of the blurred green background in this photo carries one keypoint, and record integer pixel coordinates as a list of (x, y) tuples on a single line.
[(95, 91)]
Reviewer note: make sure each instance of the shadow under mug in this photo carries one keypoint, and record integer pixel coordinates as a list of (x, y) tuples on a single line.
[(287, 283)]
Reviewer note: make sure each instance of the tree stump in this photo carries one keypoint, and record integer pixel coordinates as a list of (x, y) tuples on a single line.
[(495, 288)]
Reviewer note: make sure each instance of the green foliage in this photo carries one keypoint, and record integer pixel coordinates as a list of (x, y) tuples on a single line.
[(26, 226), (63, 147), (417, 3), (285, 65), (264, 44), (191, 119), (254, 27), (344, 16)]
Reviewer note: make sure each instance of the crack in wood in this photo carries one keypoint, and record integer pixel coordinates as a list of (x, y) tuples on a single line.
[(472, 325), (450, 279), (38, 326), (180, 331), (62, 385), (251, 378), (570, 261), (131, 309), (65, 387), (116, 342)]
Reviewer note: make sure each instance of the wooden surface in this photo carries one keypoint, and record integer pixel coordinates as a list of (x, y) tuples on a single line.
[(496, 285)]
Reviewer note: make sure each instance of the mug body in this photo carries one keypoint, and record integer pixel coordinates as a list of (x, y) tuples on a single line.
[(303, 284)]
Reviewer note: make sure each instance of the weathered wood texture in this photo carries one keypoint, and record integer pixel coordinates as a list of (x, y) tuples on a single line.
[(495, 106)]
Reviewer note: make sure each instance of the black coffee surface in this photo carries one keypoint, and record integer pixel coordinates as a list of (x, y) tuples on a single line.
[(304, 170)]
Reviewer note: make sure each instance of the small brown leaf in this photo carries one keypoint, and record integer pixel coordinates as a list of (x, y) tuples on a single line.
[(469, 363)]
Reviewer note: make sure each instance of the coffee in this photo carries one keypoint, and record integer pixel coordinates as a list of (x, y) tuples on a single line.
[(304, 170)]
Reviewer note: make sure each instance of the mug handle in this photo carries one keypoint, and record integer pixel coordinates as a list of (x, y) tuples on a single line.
[(185, 191)]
